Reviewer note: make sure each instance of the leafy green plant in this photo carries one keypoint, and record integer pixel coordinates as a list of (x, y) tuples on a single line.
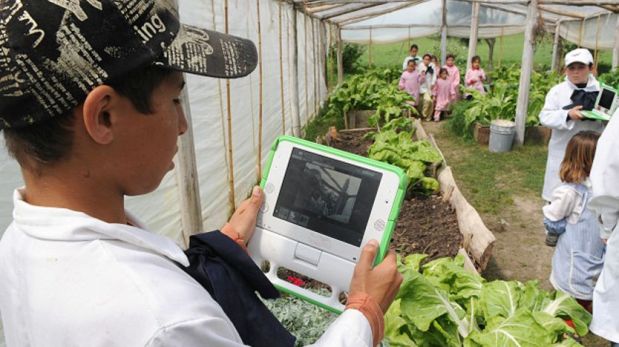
[(611, 78), (500, 101), (305, 321), (398, 148), (442, 304)]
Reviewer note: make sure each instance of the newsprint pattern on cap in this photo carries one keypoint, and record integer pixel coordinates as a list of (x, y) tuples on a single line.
[(53, 52)]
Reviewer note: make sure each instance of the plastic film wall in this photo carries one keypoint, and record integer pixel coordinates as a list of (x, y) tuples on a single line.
[(225, 151)]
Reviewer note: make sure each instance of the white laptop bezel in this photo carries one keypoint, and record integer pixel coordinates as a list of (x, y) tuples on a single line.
[(379, 215), (613, 107)]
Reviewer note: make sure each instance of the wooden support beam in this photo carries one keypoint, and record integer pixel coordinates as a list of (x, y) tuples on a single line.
[(473, 36), (340, 61), (187, 179), (345, 10), (556, 56), (294, 77), (378, 12), (443, 32), (525, 73), (561, 12)]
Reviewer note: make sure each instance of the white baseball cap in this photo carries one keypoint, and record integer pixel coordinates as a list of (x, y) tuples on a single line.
[(579, 55)]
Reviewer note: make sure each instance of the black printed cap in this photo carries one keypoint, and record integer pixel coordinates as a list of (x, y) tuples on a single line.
[(53, 52)]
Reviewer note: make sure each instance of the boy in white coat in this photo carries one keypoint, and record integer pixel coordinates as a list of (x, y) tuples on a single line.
[(562, 112), (90, 108)]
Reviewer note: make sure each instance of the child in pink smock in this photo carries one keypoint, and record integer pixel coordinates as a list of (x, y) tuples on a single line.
[(453, 76), (476, 76), (442, 93), (411, 80)]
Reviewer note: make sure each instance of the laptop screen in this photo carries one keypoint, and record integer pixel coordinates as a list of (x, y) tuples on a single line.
[(327, 196), (607, 98)]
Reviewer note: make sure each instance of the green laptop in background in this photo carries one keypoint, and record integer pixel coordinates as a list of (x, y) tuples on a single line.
[(605, 105)]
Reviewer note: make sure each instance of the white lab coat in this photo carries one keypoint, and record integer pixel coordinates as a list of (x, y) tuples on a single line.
[(67, 279), (555, 117), (426, 86), (605, 203)]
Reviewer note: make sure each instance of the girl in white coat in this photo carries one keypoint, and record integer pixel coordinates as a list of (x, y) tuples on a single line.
[(562, 112)]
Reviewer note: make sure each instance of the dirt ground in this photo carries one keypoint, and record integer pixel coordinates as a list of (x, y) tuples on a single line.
[(426, 225), (519, 251)]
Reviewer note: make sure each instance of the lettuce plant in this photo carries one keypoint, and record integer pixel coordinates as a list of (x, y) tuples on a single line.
[(442, 304)]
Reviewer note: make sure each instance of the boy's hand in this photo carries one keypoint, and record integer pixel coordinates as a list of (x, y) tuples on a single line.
[(382, 282), (575, 114), (243, 221)]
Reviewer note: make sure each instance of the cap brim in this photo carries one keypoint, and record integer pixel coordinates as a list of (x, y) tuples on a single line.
[(210, 53)]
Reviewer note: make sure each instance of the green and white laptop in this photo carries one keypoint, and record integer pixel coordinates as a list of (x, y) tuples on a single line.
[(605, 104), (322, 205)]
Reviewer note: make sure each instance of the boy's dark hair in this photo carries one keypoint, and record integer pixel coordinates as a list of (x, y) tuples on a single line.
[(49, 141), (413, 46), (476, 59), (427, 55), (450, 56)]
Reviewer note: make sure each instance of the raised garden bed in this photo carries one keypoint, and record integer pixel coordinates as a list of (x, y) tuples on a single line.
[(426, 225)]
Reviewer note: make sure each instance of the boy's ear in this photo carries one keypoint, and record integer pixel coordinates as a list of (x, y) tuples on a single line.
[(96, 114)]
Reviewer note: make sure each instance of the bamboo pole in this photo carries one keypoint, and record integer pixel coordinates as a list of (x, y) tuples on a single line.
[(260, 94), (325, 30), (187, 177), (444, 32), (231, 193), (305, 17), (294, 77), (340, 61), (615, 62), (501, 47), (316, 55), (281, 70), (555, 48), (581, 33), (222, 117), (597, 52), (525, 74), (473, 36)]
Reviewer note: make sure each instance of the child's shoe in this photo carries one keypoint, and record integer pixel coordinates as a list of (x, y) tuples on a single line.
[(551, 239)]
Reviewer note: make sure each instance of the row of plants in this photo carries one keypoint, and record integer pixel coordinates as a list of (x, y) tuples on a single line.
[(374, 90), (393, 144), (377, 89), (442, 304), (501, 99)]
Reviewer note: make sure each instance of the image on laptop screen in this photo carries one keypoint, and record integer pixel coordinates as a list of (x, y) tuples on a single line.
[(607, 98), (327, 196)]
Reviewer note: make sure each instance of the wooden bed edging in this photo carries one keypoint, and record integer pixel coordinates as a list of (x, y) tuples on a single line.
[(478, 239)]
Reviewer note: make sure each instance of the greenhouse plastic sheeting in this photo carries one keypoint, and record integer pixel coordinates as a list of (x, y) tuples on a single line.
[(424, 19), (160, 210), (596, 28)]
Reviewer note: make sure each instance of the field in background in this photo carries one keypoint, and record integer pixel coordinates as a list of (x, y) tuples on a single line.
[(507, 50)]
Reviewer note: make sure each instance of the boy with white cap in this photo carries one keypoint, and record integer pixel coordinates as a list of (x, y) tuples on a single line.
[(562, 112), (90, 108)]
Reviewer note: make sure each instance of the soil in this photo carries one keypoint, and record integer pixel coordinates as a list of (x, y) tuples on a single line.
[(353, 142), (426, 225)]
